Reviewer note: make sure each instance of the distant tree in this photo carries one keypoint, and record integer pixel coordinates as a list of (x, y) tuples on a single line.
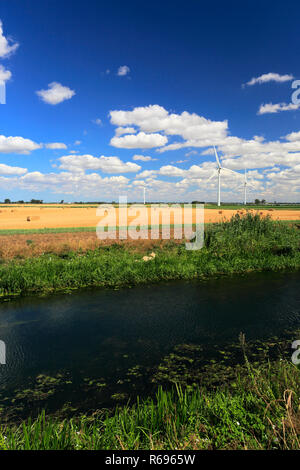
[(7, 201), (257, 201), (263, 201), (62, 201), (36, 201)]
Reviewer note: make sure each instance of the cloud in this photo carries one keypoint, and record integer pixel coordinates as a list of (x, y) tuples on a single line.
[(56, 145), (5, 74), (143, 158), (17, 145), (140, 140), (273, 166), (270, 108), (270, 77), (69, 183), (195, 130), (237, 153), (257, 153), (270, 170), (79, 163), (293, 137), (11, 170), (147, 174), (123, 70), (7, 47), (97, 121), (125, 130), (169, 170), (77, 142), (56, 93)]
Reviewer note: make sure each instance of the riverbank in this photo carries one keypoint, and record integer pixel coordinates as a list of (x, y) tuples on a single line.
[(245, 243), (258, 411)]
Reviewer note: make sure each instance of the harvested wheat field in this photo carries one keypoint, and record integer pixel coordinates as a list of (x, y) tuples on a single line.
[(40, 217), (31, 245)]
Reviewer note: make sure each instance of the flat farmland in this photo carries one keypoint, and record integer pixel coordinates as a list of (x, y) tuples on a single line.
[(30, 231), (64, 216)]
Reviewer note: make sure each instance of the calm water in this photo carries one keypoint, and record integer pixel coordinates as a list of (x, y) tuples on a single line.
[(101, 334)]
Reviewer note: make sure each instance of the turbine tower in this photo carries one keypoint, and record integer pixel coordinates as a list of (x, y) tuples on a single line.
[(218, 171), (144, 195), (245, 184)]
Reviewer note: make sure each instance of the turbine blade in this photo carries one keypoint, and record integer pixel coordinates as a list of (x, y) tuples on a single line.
[(212, 175), (217, 158), (231, 171)]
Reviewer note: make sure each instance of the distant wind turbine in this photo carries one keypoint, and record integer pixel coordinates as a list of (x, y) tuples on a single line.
[(245, 184), (218, 172), (144, 195)]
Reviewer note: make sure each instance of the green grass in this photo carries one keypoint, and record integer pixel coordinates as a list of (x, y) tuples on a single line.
[(46, 230), (258, 411), (80, 229), (240, 245)]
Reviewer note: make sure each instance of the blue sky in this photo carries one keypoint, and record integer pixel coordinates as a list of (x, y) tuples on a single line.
[(138, 94)]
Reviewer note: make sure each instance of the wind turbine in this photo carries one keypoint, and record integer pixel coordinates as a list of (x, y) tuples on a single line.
[(218, 171), (245, 184), (144, 195)]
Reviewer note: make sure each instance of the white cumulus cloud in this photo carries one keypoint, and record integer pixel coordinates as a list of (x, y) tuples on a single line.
[(17, 145), (11, 170), (123, 70), (270, 108), (7, 46), (270, 77), (56, 93), (143, 158), (79, 163), (140, 140), (125, 130), (195, 130), (55, 145), (5, 74)]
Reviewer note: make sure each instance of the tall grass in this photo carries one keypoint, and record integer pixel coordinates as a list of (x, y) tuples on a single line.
[(260, 412), (241, 245), (251, 232)]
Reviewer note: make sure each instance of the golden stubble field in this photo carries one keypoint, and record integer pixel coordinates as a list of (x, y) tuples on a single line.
[(38, 217)]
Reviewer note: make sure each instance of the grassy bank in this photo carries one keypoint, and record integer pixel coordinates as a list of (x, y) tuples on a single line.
[(241, 245), (258, 411)]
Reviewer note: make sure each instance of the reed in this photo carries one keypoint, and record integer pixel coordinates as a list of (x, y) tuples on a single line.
[(260, 412)]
